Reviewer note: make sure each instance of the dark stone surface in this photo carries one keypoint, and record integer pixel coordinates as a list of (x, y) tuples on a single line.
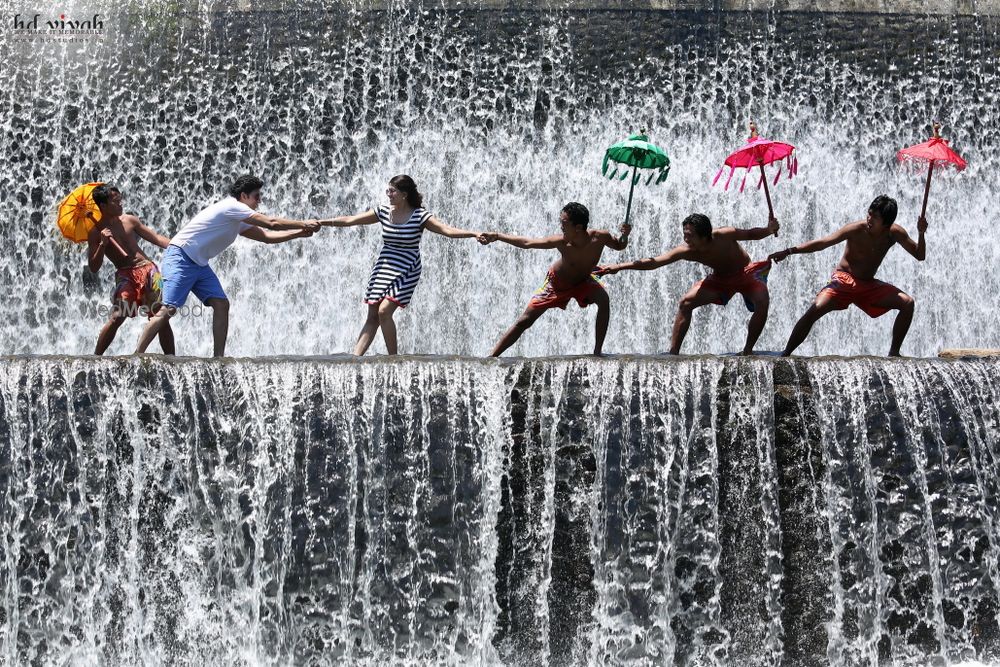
[(805, 550), (571, 593)]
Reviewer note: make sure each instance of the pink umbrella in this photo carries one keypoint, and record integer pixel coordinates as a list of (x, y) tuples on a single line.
[(933, 151), (760, 152)]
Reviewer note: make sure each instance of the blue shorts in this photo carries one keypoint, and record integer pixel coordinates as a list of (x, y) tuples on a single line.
[(181, 276)]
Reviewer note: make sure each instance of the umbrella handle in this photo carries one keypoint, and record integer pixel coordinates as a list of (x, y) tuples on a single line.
[(767, 194), (118, 247), (631, 189), (927, 189)]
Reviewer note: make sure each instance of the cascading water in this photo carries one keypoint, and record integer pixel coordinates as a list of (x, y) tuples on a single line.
[(688, 512), (256, 513), (910, 493), (502, 116)]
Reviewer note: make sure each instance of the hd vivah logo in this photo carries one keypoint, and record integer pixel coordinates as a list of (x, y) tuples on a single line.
[(60, 24), (34, 28)]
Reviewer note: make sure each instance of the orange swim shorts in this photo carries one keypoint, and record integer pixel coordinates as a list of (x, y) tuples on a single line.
[(845, 289)]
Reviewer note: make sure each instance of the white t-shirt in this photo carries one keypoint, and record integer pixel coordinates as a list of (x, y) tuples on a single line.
[(213, 230)]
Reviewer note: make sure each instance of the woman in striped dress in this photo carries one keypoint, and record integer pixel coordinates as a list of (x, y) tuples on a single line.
[(397, 269)]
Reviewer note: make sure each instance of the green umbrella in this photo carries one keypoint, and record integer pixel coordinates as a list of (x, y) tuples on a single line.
[(636, 152)]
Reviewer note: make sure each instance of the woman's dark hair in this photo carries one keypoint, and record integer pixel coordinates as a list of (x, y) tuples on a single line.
[(244, 185), (577, 213), (884, 207), (405, 184), (701, 225)]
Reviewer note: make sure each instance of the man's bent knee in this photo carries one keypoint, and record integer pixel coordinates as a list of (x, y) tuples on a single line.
[(819, 309)]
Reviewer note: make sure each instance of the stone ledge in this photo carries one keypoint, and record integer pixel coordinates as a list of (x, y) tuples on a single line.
[(963, 353), (918, 7)]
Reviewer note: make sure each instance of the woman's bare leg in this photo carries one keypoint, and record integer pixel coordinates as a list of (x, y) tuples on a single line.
[(367, 334), (386, 310)]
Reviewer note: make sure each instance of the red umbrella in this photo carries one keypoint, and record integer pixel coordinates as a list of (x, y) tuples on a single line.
[(760, 152), (933, 151)]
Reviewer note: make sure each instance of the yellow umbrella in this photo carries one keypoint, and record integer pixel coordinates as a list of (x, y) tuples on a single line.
[(78, 213)]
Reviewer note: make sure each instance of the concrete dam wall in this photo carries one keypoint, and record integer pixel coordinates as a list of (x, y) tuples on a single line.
[(546, 512)]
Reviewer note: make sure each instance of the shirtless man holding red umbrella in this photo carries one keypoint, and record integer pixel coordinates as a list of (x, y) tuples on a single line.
[(854, 281)]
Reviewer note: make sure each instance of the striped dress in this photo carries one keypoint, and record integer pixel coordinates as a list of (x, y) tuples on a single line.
[(397, 268)]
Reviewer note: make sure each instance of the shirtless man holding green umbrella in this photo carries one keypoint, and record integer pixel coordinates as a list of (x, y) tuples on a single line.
[(570, 277)]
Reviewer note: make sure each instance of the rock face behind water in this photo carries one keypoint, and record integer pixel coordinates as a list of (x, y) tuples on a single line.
[(552, 511)]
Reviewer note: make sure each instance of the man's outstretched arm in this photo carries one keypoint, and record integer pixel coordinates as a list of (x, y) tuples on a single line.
[(277, 224), (815, 245), (267, 236), (648, 263), (752, 234), (919, 248), (525, 242), (150, 235)]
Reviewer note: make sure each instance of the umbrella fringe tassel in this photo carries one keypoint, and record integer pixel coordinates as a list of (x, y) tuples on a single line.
[(718, 176), (732, 170), (743, 183)]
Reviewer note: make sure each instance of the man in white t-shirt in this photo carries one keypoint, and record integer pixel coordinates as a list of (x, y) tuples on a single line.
[(185, 266)]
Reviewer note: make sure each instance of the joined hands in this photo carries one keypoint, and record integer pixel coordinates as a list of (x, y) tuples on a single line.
[(780, 255)]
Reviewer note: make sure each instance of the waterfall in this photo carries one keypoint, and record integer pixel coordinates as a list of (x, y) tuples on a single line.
[(552, 512), (502, 116)]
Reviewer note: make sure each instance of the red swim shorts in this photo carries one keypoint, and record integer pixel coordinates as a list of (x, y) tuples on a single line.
[(555, 294), (845, 289), (750, 281), (137, 287)]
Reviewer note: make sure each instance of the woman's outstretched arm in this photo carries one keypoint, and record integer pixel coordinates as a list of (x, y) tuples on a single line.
[(366, 218), (438, 227)]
